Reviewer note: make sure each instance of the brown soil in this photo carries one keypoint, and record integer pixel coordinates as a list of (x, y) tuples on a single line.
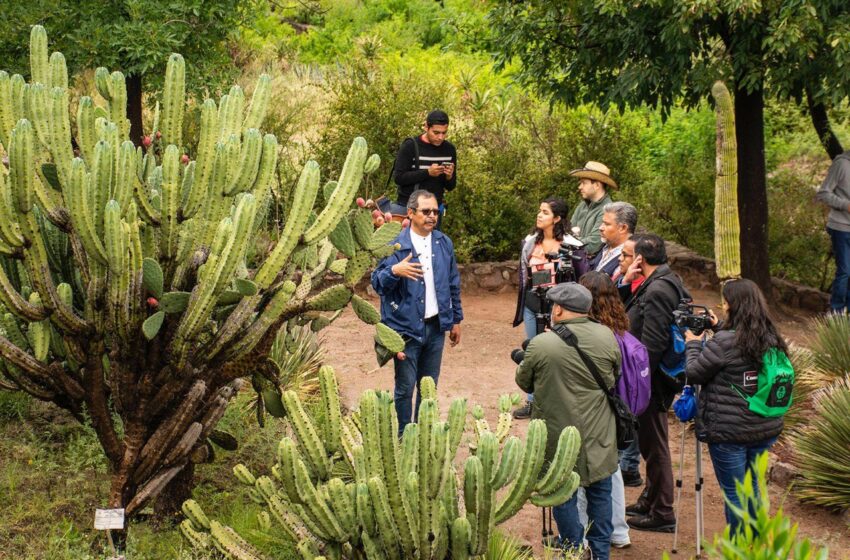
[(480, 369)]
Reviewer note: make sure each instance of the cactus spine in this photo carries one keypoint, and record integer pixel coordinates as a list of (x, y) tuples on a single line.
[(727, 234), (403, 501)]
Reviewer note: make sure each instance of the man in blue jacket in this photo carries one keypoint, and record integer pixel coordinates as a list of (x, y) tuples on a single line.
[(419, 287)]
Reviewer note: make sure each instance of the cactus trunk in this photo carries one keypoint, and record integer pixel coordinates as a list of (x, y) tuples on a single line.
[(727, 227)]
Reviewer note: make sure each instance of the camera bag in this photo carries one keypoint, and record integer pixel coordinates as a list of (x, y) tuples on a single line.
[(625, 421)]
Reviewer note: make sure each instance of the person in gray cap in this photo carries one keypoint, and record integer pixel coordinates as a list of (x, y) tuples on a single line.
[(566, 394)]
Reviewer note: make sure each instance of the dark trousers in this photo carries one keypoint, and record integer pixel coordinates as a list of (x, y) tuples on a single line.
[(655, 450), (422, 359), (731, 462), (840, 300), (570, 530)]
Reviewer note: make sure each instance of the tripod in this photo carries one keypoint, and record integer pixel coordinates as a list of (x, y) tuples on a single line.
[(698, 483)]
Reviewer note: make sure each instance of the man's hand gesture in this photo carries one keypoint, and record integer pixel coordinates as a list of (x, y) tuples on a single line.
[(633, 271), (435, 170), (407, 269)]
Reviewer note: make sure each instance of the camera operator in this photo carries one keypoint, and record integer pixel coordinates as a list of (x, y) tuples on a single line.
[(567, 395), (539, 257), (726, 367), (650, 311)]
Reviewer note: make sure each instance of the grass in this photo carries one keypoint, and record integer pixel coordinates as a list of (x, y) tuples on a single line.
[(53, 476)]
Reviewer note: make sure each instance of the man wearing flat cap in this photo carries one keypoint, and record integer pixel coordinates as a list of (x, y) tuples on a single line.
[(566, 394), (594, 181)]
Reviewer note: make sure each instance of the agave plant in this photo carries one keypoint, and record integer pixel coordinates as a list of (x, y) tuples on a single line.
[(831, 345), (822, 449)]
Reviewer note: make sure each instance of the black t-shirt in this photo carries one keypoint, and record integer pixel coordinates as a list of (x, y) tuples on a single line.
[(411, 175)]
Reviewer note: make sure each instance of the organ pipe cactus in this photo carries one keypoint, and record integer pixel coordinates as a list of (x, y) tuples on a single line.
[(124, 289), (727, 228), (349, 488)]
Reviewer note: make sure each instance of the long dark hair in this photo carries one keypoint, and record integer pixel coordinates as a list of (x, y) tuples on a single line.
[(559, 209), (607, 307), (749, 317)]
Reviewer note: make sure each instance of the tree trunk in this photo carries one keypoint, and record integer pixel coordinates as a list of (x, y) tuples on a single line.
[(820, 120), (168, 504), (752, 187), (134, 107)]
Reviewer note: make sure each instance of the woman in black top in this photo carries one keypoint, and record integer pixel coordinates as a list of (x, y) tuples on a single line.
[(726, 367)]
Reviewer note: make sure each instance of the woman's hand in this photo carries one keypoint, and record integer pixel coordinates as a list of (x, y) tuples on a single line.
[(690, 336), (714, 319)]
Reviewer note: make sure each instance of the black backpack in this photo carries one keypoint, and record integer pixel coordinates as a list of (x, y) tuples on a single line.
[(395, 163)]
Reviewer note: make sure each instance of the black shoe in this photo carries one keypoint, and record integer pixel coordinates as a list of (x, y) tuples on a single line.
[(650, 523), (639, 509), (524, 412), (632, 478)]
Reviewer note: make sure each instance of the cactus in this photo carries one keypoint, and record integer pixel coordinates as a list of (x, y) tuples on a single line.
[(126, 270), (727, 233), (403, 499)]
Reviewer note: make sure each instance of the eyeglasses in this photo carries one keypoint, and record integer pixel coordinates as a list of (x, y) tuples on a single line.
[(427, 211)]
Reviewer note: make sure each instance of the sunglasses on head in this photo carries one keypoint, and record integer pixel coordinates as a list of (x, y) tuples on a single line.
[(427, 211)]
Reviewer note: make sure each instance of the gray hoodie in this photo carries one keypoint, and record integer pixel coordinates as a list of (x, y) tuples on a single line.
[(835, 193)]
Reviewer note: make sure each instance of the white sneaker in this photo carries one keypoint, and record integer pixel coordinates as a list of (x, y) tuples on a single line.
[(624, 544)]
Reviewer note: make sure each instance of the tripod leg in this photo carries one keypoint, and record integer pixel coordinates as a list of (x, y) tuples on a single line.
[(679, 488), (698, 487)]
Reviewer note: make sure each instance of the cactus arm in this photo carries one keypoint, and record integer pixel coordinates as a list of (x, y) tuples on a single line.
[(21, 172), (125, 175), (7, 108), (400, 508), (302, 203), (349, 182), (39, 61), (383, 515), (560, 494), (86, 134), (727, 247), (527, 478), (173, 101), (58, 71), (14, 355), (512, 454), (170, 202), (230, 544), (60, 133), (258, 329), (118, 104), (10, 231), (77, 200), (308, 436), (266, 174), (457, 422), (231, 112), (259, 104), (330, 400), (146, 208), (569, 444), (204, 160), (249, 161)]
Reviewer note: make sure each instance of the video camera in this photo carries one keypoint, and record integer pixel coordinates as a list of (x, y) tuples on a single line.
[(561, 270), (518, 355), (687, 317)]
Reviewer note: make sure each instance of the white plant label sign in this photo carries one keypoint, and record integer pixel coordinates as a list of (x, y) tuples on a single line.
[(105, 519)]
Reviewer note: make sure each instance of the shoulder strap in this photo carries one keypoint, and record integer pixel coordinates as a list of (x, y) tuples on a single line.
[(570, 339)]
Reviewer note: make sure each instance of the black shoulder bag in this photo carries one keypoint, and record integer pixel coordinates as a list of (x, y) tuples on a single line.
[(415, 162), (625, 421)]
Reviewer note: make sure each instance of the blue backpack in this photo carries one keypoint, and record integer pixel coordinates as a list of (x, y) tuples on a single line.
[(635, 384), (673, 360)]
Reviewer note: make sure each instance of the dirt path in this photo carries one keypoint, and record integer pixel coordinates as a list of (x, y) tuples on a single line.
[(480, 369)]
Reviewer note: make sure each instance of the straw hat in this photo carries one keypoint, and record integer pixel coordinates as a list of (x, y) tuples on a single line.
[(595, 171)]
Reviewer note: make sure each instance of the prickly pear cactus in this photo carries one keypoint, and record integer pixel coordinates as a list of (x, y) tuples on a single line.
[(124, 287), (727, 228), (350, 488)]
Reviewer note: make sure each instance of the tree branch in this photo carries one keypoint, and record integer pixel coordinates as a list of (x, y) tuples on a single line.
[(820, 120)]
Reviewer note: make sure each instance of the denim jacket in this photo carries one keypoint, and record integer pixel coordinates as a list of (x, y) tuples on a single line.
[(403, 300)]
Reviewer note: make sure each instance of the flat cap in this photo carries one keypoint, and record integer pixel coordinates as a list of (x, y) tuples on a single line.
[(571, 296)]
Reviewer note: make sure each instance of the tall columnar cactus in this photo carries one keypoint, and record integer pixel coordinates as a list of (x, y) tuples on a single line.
[(727, 228), (351, 489), (124, 285)]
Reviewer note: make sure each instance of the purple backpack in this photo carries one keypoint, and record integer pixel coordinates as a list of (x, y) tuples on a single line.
[(635, 383)]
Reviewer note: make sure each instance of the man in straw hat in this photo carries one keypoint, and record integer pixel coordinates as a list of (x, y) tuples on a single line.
[(595, 178)]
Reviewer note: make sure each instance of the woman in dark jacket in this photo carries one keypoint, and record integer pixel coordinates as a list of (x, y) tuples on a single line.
[(726, 367)]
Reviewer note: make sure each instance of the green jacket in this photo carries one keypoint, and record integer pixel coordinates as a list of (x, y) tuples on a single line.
[(565, 393), (588, 217)]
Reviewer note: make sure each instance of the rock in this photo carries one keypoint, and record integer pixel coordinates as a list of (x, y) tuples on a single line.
[(782, 474), (492, 281)]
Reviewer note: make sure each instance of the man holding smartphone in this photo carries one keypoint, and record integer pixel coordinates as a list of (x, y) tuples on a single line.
[(427, 162)]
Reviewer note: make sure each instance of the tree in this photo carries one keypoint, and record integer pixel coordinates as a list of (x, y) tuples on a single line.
[(664, 52), (124, 282), (134, 37)]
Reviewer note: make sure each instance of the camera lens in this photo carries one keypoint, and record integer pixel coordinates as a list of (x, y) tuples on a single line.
[(517, 355)]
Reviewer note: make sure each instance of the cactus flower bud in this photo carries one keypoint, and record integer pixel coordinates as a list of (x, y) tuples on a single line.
[(158, 135), (361, 202), (375, 214), (405, 223), (152, 302), (370, 203), (146, 141), (388, 217), (184, 159), (379, 221), (401, 356)]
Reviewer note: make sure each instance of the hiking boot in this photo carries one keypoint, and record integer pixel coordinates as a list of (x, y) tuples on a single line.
[(623, 544), (632, 478), (524, 412), (650, 523), (640, 509)]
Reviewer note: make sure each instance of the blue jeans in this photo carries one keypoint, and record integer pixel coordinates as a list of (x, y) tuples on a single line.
[(422, 359), (599, 511), (731, 462), (840, 299), (529, 323), (630, 457)]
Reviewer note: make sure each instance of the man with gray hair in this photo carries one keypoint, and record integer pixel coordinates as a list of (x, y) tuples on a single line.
[(619, 220)]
